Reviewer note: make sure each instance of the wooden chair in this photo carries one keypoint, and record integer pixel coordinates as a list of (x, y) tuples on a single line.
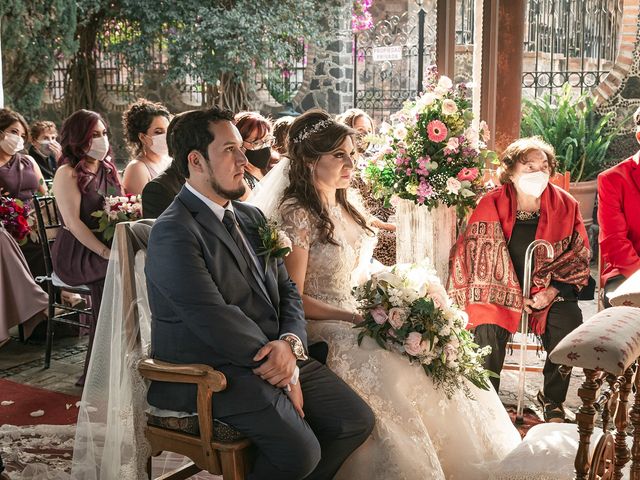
[(49, 222), (607, 348), (209, 444)]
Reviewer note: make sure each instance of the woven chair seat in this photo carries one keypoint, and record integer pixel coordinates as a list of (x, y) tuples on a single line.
[(189, 425)]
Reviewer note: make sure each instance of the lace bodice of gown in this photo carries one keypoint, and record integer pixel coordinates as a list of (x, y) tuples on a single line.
[(332, 270)]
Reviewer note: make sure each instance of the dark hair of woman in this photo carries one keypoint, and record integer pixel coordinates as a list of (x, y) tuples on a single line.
[(305, 153), (137, 119), (8, 117), (76, 134)]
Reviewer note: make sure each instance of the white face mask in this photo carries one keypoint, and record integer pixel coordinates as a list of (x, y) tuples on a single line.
[(532, 183), (11, 143), (99, 148), (159, 145)]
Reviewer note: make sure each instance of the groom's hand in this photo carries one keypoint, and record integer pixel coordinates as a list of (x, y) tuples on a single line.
[(280, 364)]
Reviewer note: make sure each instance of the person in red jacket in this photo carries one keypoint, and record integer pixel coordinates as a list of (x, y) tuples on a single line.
[(618, 207)]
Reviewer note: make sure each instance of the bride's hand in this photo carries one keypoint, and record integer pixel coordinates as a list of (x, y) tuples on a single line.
[(355, 318)]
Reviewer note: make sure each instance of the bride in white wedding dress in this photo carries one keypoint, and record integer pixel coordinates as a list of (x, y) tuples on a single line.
[(419, 433)]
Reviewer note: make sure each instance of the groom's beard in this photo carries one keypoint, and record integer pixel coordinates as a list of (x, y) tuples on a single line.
[(223, 192)]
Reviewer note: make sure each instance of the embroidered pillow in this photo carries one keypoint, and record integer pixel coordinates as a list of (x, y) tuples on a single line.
[(610, 340), (627, 294)]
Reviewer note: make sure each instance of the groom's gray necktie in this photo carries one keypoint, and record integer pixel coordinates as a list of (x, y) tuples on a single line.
[(229, 221)]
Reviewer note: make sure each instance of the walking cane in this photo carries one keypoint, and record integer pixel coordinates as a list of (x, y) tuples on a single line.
[(524, 321)]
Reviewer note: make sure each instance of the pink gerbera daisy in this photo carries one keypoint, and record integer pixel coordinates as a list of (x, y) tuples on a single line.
[(437, 131)]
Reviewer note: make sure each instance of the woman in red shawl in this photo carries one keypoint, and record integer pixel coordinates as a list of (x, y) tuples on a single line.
[(487, 263)]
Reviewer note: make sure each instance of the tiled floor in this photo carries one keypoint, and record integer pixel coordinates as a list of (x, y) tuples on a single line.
[(24, 363)]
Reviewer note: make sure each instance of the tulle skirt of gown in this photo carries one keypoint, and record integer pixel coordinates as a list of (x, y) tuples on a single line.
[(420, 433)]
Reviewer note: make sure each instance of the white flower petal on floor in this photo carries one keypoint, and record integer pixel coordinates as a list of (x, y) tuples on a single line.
[(6, 403), (37, 413)]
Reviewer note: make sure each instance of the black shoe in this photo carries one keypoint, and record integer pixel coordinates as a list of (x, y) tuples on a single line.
[(553, 412)]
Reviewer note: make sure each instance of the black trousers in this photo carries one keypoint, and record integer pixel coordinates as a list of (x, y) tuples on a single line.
[(563, 318), (337, 421), (611, 286)]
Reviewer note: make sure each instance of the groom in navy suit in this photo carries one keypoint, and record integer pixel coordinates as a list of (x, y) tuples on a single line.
[(215, 301)]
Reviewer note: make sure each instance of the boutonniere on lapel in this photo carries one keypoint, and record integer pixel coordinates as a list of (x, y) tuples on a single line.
[(274, 243)]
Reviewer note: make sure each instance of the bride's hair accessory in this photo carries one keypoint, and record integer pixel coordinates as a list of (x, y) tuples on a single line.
[(311, 129)]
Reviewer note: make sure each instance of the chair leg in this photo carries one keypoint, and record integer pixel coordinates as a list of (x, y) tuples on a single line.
[(21, 333), (149, 468), (233, 465), (51, 314)]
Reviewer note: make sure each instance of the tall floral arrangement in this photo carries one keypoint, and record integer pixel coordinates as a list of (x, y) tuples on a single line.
[(430, 152), (406, 309), (360, 16)]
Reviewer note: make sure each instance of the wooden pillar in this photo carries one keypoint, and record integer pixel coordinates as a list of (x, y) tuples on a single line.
[(489, 64), (446, 37), (511, 18)]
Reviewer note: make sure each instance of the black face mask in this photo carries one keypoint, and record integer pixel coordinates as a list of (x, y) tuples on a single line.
[(259, 158)]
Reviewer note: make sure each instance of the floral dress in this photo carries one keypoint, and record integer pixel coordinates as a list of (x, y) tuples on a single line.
[(420, 433)]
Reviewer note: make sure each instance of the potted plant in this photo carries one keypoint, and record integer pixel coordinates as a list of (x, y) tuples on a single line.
[(579, 135)]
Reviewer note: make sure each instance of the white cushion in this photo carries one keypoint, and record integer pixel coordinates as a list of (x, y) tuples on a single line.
[(628, 293), (546, 453), (610, 340)]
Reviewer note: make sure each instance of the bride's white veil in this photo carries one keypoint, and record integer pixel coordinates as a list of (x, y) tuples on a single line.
[(269, 191)]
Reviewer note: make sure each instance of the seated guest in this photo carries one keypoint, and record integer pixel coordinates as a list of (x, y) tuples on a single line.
[(20, 176), (45, 149), (257, 142), (22, 301), (385, 251), (145, 129), (280, 134), (158, 194), (85, 176), (215, 304), (487, 264), (618, 206), (361, 122)]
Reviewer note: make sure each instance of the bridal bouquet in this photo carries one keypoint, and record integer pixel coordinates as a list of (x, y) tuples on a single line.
[(406, 309), (430, 152), (116, 209), (15, 217)]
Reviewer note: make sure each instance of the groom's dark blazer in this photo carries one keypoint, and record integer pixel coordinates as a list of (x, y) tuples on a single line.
[(208, 307)]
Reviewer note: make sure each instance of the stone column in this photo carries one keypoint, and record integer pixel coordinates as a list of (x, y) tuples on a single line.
[(331, 83)]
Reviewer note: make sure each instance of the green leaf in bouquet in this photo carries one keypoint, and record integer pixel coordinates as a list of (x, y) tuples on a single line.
[(97, 214), (109, 232)]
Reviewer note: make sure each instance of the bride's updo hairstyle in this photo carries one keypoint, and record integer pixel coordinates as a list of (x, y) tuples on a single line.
[(311, 135)]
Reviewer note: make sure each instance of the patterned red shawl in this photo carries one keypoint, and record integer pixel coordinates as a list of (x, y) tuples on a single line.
[(482, 279)]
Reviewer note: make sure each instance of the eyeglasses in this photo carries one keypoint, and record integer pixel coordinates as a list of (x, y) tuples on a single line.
[(257, 145)]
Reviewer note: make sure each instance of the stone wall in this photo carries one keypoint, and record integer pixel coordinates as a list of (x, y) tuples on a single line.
[(620, 90)]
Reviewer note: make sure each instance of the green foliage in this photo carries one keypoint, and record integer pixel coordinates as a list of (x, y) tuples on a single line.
[(579, 135), (33, 33), (227, 41)]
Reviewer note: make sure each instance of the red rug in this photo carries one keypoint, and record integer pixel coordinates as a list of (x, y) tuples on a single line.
[(58, 408), (530, 419)]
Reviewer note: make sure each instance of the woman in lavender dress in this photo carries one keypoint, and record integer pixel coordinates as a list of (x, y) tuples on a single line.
[(86, 176), (20, 176)]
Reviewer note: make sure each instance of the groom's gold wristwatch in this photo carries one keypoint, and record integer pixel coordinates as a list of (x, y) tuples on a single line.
[(296, 347)]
